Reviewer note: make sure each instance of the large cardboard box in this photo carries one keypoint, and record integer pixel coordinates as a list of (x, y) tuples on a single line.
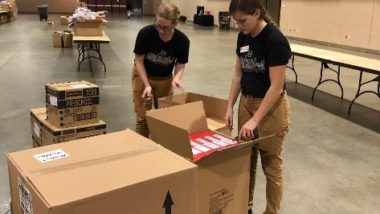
[(72, 103), (45, 133), (215, 108), (88, 28), (116, 173), (223, 175)]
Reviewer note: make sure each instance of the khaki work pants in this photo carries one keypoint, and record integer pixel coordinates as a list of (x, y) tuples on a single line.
[(275, 122), (161, 87)]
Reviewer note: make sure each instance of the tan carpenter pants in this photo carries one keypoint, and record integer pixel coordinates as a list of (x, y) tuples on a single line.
[(161, 87), (275, 122)]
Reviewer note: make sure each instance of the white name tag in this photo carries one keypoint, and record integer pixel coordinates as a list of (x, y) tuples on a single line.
[(244, 49)]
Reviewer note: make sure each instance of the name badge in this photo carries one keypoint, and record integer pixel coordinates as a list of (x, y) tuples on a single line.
[(244, 49)]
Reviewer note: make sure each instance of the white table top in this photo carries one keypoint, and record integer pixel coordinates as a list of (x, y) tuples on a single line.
[(346, 60)]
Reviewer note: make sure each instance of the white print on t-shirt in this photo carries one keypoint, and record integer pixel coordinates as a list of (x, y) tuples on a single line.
[(160, 58), (251, 64), (244, 49)]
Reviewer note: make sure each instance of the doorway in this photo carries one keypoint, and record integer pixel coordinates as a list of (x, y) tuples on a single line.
[(135, 7), (273, 8)]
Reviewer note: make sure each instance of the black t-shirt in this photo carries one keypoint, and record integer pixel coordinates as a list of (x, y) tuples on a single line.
[(160, 57), (257, 54)]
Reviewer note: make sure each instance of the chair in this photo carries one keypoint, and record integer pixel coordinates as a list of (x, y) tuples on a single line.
[(224, 20)]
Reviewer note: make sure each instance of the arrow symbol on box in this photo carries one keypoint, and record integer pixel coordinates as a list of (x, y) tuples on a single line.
[(168, 203)]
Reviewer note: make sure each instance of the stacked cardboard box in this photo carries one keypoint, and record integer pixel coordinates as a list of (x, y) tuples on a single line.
[(183, 130), (215, 108), (72, 112), (116, 173), (44, 133), (72, 103)]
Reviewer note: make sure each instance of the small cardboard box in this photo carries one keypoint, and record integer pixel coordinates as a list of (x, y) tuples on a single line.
[(57, 39), (88, 28), (67, 39), (46, 134), (215, 108), (63, 20), (223, 175), (72, 103), (117, 173)]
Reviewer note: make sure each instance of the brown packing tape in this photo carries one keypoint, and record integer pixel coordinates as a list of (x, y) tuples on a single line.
[(129, 154)]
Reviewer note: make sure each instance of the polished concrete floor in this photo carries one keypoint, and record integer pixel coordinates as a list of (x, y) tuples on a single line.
[(331, 160)]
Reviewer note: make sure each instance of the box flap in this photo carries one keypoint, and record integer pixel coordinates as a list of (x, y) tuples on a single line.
[(214, 107), (170, 136), (100, 164), (190, 117), (214, 123)]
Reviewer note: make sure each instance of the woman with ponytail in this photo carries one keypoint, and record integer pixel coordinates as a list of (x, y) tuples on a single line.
[(262, 55)]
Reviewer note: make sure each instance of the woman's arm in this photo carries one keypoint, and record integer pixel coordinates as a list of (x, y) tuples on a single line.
[(140, 68), (277, 79), (178, 73), (234, 93)]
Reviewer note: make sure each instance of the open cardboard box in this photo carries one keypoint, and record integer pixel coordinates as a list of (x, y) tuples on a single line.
[(223, 175), (215, 108), (88, 28), (117, 173)]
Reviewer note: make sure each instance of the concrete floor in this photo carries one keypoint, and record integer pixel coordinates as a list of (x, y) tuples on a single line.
[(331, 160)]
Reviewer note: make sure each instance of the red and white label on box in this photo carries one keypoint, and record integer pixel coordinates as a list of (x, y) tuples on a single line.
[(207, 142)]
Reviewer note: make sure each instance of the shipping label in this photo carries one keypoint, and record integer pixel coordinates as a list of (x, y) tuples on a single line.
[(51, 155)]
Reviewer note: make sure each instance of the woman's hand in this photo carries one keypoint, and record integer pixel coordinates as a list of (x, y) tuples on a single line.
[(176, 83), (246, 132), (229, 118), (147, 93)]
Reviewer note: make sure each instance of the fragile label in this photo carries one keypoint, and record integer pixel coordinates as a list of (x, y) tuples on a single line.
[(51, 156), (25, 197), (53, 100)]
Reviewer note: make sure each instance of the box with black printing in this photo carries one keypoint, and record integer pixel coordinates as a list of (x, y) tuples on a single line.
[(44, 133), (71, 104)]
